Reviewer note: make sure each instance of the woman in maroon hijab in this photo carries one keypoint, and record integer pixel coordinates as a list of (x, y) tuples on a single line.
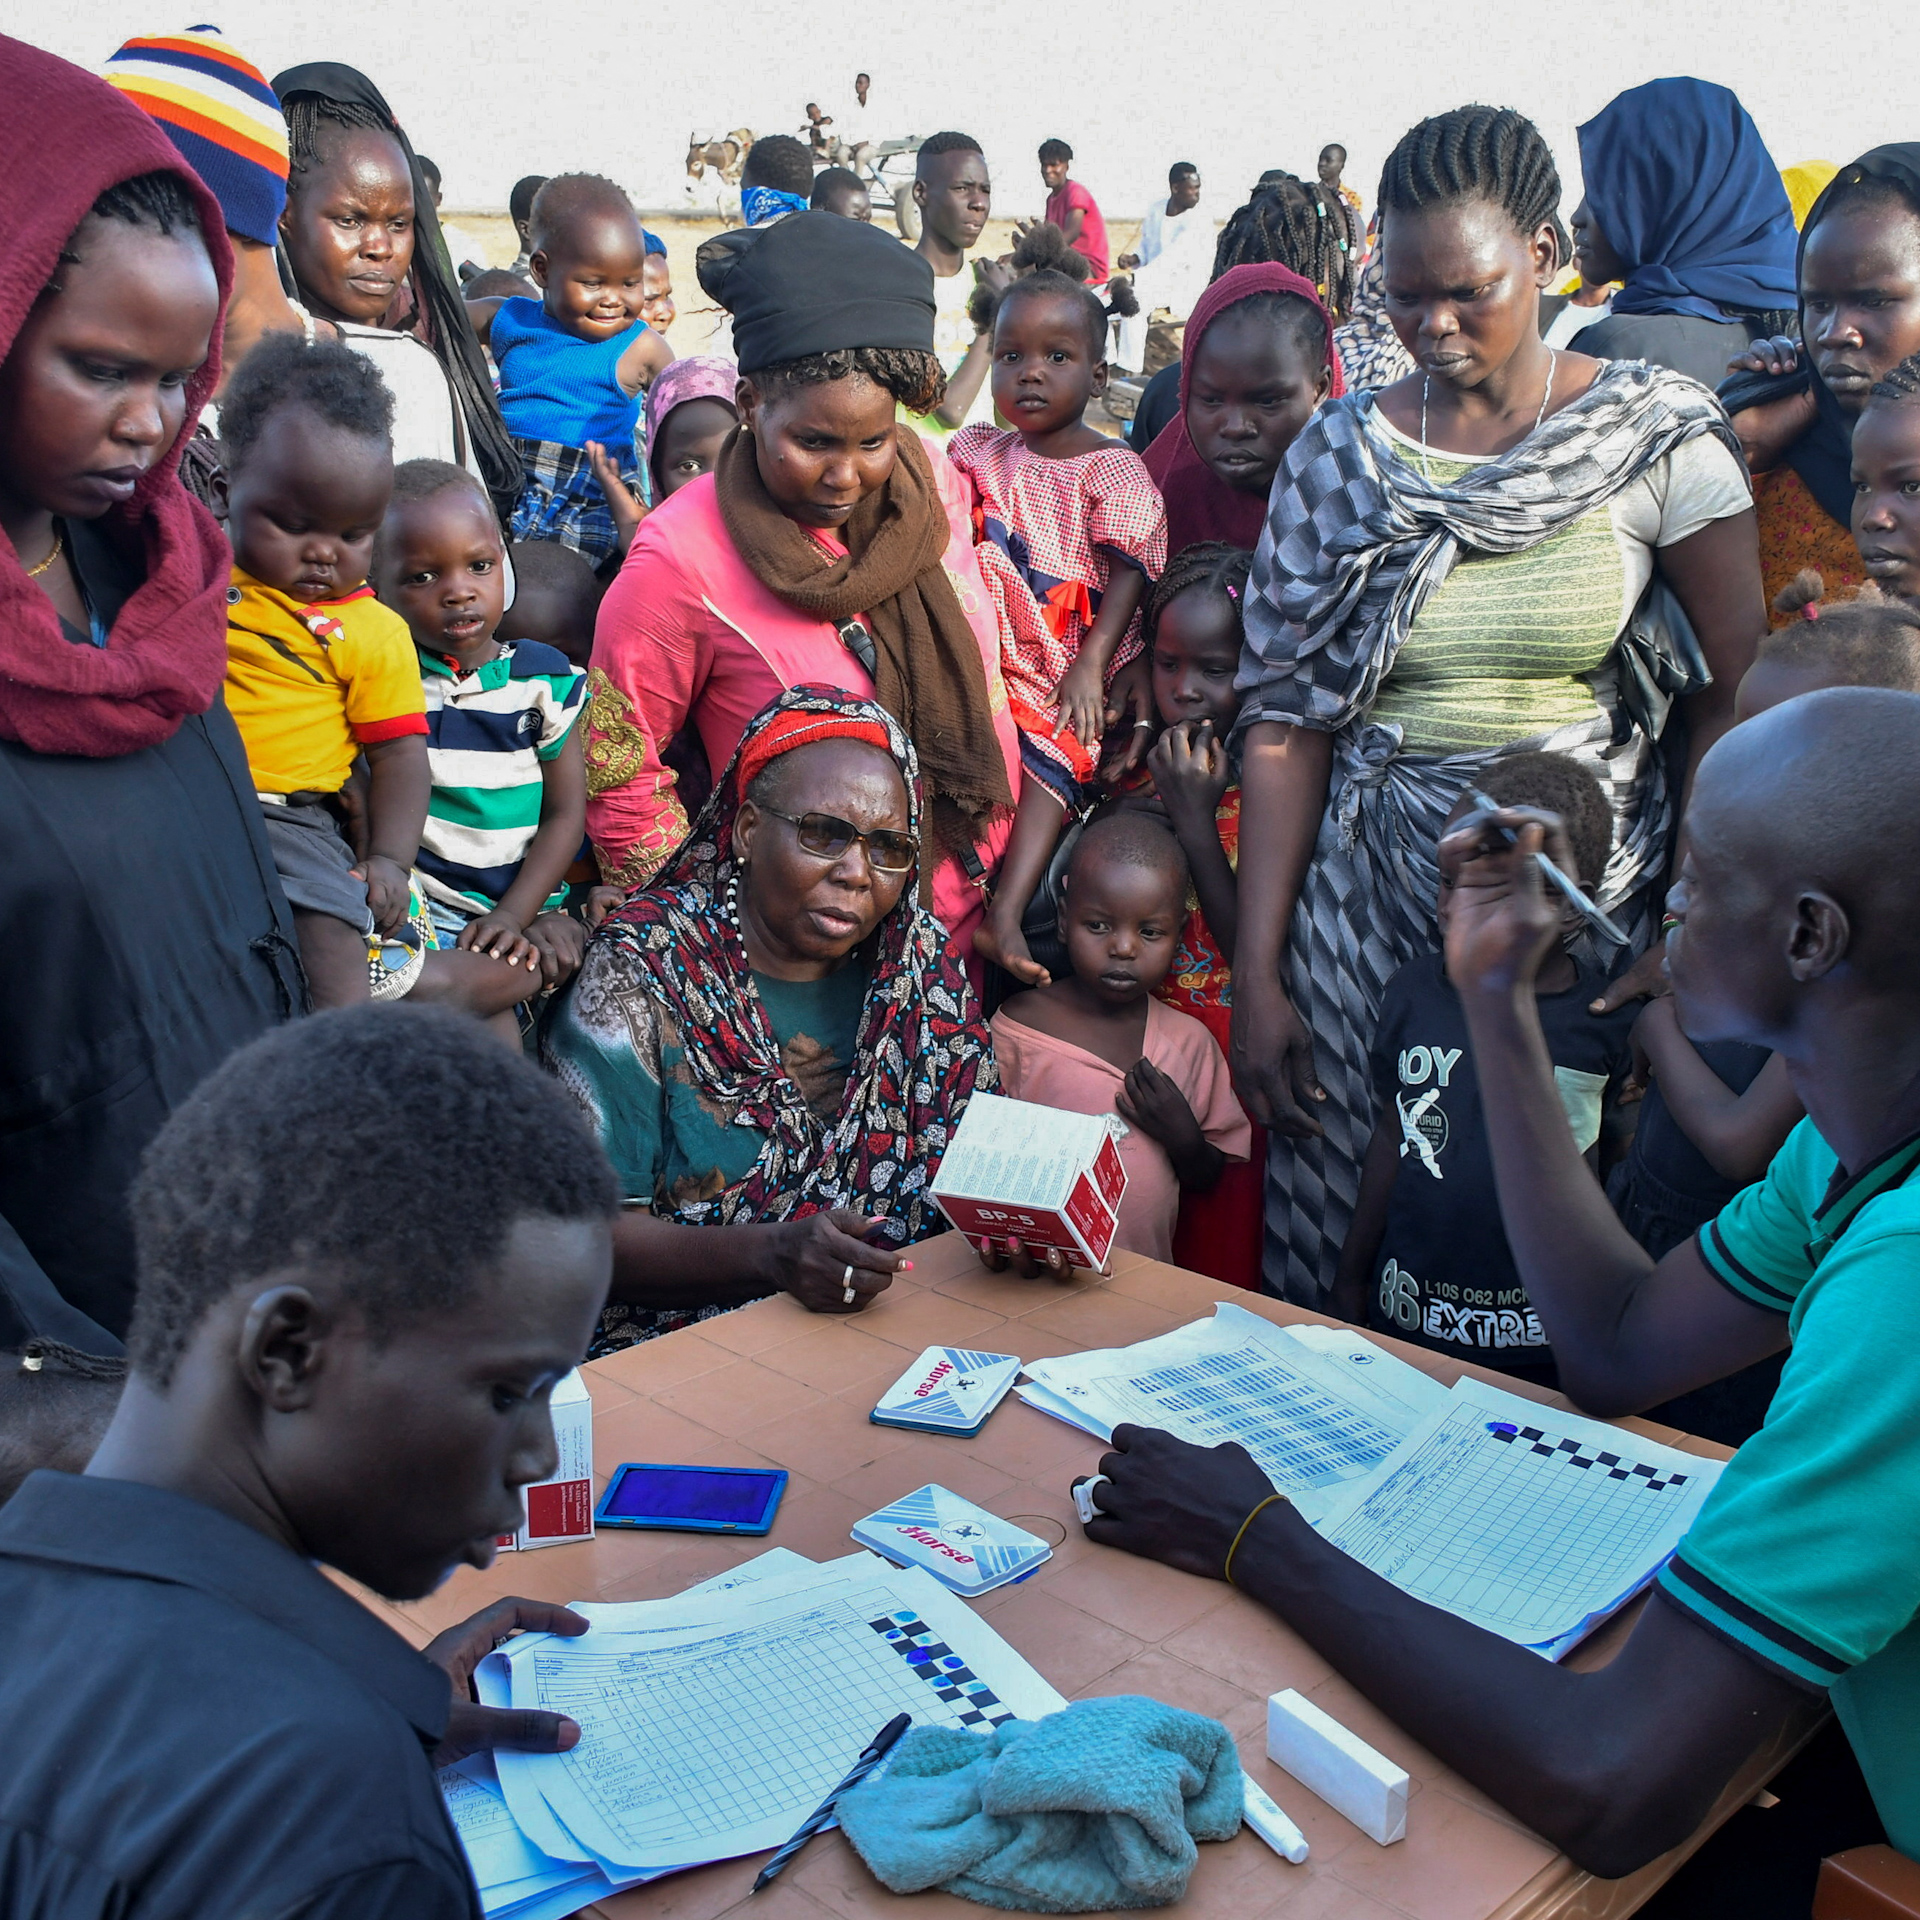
[(147, 934), (1259, 358)]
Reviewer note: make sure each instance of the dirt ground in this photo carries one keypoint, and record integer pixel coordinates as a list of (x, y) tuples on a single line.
[(690, 331)]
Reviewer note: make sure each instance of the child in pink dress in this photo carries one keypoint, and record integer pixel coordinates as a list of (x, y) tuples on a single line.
[(1071, 531), (1100, 1042)]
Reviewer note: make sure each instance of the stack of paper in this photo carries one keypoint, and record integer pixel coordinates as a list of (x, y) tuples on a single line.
[(1532, 1523), (713, 1723), (1315, 1406)]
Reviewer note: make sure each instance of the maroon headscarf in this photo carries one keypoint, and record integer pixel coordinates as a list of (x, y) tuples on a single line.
[(65, 138), (1200, 505)]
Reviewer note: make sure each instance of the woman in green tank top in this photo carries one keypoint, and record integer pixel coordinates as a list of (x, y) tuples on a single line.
[(1511, 548)]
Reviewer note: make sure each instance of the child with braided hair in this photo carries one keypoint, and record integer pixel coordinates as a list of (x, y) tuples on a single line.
[(1070, 530), (1886, 472)]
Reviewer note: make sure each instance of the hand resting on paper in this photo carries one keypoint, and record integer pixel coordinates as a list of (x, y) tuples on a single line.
[(472, 1728), (1166, 1499)]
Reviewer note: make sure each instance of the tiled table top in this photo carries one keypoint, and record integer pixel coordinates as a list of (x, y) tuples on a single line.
[(774, 1385)]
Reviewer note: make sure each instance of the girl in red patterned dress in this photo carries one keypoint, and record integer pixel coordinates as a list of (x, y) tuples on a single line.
[(1071, 532), (1192, 644)]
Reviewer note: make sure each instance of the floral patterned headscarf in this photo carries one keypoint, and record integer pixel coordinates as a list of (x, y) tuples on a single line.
[(922, 1048)]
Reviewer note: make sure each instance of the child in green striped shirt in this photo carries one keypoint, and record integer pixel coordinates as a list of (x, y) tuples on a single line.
[(508, 809)]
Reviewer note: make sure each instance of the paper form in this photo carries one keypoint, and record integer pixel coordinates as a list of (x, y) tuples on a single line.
[(1314, 1413), (1530, 1522), (718, 1727)]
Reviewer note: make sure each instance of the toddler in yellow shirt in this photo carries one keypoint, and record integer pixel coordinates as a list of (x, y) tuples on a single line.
[(318, 670)]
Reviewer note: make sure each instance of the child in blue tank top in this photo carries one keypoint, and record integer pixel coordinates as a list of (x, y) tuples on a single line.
[(574, 363)]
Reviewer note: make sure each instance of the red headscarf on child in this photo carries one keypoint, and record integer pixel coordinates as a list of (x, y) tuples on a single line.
[(1200, 505), (65, 138)]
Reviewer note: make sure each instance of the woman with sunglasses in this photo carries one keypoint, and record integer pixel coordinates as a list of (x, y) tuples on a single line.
[(829, 545), (775, 1039)]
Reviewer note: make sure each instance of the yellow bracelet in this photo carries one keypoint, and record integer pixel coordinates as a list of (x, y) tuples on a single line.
[(1226, 1572)]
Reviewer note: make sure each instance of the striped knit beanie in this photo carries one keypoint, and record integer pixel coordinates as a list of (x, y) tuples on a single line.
[(216, 107)]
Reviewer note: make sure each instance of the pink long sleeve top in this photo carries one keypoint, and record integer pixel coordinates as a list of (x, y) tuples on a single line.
[(687, 631)]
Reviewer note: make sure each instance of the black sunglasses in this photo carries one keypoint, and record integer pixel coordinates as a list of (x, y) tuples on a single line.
[(828, 836)]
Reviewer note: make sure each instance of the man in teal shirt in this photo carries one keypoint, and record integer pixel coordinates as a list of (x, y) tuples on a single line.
[(1796, 926)]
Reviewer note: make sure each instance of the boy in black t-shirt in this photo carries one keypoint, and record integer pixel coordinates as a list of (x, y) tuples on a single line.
[(1426, 1258)]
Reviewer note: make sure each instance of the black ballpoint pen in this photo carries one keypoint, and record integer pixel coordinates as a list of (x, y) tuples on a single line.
[(877, 1750)]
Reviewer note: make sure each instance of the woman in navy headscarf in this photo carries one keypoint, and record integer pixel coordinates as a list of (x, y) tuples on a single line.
[(1685, 206)]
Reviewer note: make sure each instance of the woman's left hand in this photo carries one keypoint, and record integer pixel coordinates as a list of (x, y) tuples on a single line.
[(821, 1258), (1132, 702)]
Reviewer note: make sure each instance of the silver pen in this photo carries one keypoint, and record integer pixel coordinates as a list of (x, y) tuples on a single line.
[(1568, 889)]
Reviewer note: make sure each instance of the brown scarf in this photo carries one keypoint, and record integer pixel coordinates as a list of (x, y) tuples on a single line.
[(927, 670)]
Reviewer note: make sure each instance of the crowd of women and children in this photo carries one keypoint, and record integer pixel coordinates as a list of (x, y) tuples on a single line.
[(747, 755)]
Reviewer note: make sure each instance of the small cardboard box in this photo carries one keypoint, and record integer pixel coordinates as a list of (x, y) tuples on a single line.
[(560, 1508), (1052, 1178)]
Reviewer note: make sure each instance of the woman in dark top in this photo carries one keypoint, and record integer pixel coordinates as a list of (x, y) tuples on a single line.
[(147, 934), (1684, 206)]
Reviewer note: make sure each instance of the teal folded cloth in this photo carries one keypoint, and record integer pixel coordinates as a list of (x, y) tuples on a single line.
[(1095, 1807)]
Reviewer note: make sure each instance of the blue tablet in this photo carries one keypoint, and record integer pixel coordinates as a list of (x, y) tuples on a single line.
[(646, 1493)]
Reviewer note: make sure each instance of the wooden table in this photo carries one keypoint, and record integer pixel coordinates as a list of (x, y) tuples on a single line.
[(772, 1385)]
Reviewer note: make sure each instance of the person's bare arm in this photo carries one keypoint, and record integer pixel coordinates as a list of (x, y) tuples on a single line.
[(399, 786), (1074, 223), (643, 363), (1190, 772), (563, 825), (1626, 1333), (1739, 1133), (1715, 575), (1614, 1765), (1284, 773), (965, 381), (1082, 692), (1378, 1172), (480, 313), (1149, 1100), (662, 1263)]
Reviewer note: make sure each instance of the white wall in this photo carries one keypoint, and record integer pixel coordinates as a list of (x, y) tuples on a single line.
[(496, 88)]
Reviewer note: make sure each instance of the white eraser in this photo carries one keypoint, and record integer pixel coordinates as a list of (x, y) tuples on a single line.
[(1337, 1765)]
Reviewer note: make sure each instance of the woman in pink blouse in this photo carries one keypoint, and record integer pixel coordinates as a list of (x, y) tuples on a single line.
[(828, 546)]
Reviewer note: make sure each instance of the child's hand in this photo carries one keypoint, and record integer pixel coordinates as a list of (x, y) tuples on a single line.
[(1006, 946), (1151, 1102), (387, 891), (1189, 768), (1083, 702), (500, 937), (626, 510), (561, 942), (601, 901)]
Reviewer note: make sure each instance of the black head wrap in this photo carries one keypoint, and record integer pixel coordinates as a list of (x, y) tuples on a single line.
[(1823, 455), (813, 283), (440, 313)]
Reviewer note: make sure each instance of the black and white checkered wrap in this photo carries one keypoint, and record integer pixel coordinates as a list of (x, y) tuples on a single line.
[(1355, 542)]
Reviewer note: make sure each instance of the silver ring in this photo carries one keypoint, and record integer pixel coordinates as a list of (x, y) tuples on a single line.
[(1143, 726), (847, 1294)]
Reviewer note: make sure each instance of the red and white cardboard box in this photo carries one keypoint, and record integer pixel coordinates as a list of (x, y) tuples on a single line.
[(560, 1508), (1051, 1178)]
